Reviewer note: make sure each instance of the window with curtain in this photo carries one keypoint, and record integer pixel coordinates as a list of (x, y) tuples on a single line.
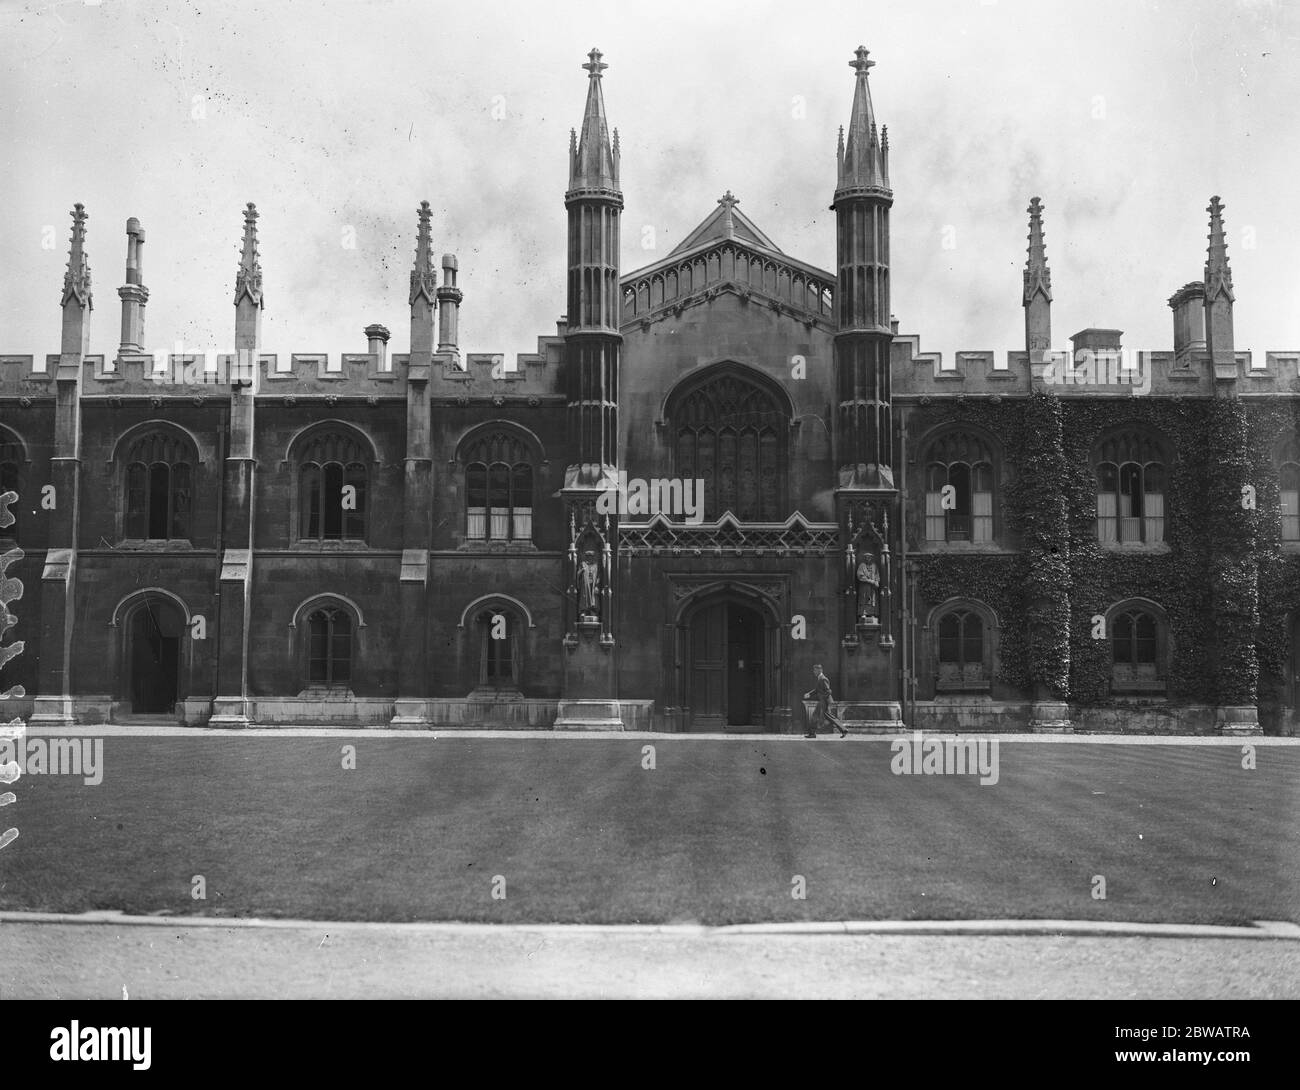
[(959, 466), (498, 488), (1130, 475), (329, 646), (962, 651), (729, 431), (333, 482), (158, 487)]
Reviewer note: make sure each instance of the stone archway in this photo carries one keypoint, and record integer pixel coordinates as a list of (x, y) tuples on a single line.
[(152, 656)]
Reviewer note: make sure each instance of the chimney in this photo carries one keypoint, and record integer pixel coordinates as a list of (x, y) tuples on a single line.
[(1188, 305), (133, 293), (449, 297), (1099, 348), (377, 336)]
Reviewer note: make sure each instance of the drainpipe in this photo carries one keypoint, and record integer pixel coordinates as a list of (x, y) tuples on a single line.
[(223, 444)]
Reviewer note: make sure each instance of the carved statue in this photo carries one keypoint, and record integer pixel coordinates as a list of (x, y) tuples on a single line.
[(589, 586), (868, 580)]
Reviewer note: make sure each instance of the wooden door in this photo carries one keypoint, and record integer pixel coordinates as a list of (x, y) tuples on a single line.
[(708, 668)]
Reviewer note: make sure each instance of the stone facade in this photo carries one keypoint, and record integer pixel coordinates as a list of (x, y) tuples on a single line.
[(1031, 540)]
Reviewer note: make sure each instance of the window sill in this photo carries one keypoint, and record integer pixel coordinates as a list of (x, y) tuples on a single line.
[(331, 546), (1137, 688), (156, 545), (487, 693), (479, 546), (331, 693), (946, 687), (1157, 548), (964, 547)]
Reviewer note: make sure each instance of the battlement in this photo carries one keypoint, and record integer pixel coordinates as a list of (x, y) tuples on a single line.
[(1083, 372), (297, 374)]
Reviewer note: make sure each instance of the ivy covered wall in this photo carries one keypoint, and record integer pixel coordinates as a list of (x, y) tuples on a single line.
[(1225, 584)]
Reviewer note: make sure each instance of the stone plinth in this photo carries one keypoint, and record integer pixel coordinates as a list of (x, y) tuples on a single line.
[(1242, 719)]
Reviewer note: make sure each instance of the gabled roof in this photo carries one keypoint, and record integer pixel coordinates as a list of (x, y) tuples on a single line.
[(727, 222)]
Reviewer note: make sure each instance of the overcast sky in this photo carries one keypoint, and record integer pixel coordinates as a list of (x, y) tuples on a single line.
[(337, 119)]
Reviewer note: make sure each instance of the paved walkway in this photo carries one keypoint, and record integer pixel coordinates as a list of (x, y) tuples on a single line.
[(174, 959), (126, 730)]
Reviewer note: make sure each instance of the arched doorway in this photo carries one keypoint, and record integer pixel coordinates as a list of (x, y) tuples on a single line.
[(728, 662), (153, 657)]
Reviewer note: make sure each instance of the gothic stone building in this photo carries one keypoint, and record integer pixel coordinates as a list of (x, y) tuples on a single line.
[(1037, 540)]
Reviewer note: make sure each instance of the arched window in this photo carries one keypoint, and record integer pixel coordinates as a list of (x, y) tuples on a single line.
[(959, 488), (1287, 457), (159, 468), (329, 646), (1130, 472), (11, 460), (498, 487), (333, 481), (1137, 650), (730, 433), (499, 631), (963, 652)]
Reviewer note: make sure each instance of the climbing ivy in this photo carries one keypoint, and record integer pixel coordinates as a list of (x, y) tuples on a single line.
[(1221, 576)]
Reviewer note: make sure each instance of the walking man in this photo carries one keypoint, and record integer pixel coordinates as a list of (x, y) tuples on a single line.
[(822, 693)]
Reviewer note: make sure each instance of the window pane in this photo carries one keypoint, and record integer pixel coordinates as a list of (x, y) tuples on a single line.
[(934, 521), (341, 648), (476, 497), (159, 495), (137, 483), (1122, 639), (476, 485), (1107, 502), (1130, 491), (332, 502), (498, 501), (1291, 514), (1144, 642), (180, 500), (498, 485), (309, 500), (521, 500), (973, 639), (318, 647), (354, 521), (950, 638), (959, 510)]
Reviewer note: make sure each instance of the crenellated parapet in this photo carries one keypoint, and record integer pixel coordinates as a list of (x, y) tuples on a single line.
[(1083, 372), (198, 376)]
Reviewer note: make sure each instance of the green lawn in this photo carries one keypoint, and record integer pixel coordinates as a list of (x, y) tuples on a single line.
[(714, 834)]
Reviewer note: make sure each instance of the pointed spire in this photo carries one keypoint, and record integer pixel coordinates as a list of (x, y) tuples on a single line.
[(1038, 277), (1218, 306), (76, 280), (424, 278), (593, 163), (1218, 276), (248, 280), (861, 163), (1038, 289)]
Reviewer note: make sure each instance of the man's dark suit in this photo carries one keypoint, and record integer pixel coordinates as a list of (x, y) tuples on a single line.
[(823, 713)]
